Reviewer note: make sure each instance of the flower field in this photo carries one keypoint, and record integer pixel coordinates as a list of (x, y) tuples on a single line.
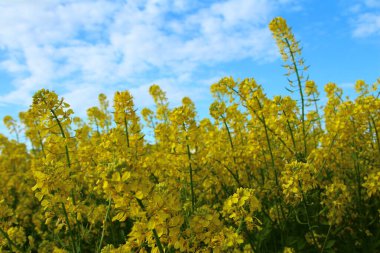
[(281, 174)]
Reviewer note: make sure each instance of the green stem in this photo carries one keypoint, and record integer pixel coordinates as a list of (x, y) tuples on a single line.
[(158, 242), (190, 172), (327, 236), (69, 227), (301, 94), (359, 183), (228, 132), (126, 130), (231, 172), (104, 224), (291, 132), (191, 178), (156, 237), (317, 111), (270, 151), (260, 119), (41, 143), (97, 127), (10, 242), (377, 133), (241, 225), (307, 214), (251, 243), (63, 135), (17, 136), (231, 144)]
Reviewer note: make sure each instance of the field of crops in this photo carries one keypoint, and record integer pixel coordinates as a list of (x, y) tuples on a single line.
[(281, 174)]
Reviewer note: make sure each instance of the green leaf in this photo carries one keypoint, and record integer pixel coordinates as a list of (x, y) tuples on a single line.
[(329, 244)]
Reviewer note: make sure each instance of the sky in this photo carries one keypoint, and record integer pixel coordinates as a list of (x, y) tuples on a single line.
[(80, 48)]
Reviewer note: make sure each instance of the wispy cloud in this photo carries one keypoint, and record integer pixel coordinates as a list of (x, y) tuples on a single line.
[(81, 48), (367, 20), (372, 3)]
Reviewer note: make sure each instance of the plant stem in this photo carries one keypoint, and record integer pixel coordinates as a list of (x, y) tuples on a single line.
[(41, 143), (63, 135), (104, 224), (191, 178), (291, 132), (377, 133), (10, 242), (327, 236), (301, 94), (126, 130), (156, 237), (307, 214), (69, 227), (158, 242)]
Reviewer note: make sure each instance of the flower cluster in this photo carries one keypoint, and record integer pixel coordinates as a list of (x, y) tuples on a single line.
[(261, 174)]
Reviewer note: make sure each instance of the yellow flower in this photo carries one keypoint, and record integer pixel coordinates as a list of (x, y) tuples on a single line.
[(310, 88), (372, 183), (361, 87)]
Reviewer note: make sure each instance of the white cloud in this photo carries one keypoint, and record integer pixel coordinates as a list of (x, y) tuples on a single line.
[(367, 19), (86, 47), (83, 97), (12, 65), (367, 24), (372, 3)]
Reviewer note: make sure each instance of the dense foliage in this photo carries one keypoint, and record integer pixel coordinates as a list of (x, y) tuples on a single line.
[(262, 175)]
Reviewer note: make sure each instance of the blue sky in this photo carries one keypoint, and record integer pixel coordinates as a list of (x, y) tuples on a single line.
[(84, 47)]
